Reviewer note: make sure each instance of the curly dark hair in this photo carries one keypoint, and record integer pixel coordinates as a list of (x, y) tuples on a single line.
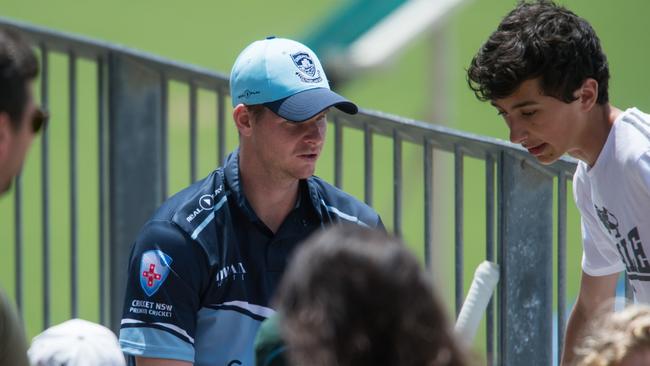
[(544, 40), (354, 296), (18, 65)]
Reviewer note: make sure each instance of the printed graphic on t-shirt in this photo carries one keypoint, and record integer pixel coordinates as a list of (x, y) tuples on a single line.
[(629, 246)]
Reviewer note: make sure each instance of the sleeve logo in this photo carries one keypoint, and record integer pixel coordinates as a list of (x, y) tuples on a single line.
[(154, 268)]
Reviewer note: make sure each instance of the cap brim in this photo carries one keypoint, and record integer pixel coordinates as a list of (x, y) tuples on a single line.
[(306, 104)]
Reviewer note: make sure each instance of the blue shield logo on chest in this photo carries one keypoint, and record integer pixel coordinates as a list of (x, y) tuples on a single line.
[(154, 268), (304, 63)]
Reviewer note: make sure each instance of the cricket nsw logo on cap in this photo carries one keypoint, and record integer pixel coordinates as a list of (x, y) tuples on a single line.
[(307, 69), (154, 268)]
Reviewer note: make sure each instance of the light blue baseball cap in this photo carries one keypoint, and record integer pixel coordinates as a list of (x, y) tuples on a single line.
[(286, 77)]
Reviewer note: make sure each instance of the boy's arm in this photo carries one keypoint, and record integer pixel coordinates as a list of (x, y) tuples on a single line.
[(595, 291)]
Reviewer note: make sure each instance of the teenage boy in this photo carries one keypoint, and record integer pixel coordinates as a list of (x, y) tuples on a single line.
[(543, 69)]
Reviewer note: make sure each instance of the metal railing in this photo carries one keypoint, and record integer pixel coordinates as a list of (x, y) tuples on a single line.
[(132, 167)]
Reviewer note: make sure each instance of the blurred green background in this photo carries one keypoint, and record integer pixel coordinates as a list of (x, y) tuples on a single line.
[(211, 34)]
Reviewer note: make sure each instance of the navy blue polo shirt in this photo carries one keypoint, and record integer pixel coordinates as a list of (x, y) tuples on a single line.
[(204, 268)]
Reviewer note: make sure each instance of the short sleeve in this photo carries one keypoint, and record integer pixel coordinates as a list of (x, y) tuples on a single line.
[(167, 273), (599, 257)]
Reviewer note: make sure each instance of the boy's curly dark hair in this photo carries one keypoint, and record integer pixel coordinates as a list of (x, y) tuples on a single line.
[(544, 40)]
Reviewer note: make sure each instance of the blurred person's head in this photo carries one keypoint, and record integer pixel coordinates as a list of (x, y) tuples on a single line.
[(617, 339), (353, 296), (280, 95), (20, 119), (543, 69), (76, 342)]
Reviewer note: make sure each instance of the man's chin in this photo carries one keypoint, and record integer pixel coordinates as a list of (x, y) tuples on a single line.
[(305, 173)]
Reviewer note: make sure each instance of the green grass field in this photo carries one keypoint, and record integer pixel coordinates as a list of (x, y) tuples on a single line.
[(211, 34)]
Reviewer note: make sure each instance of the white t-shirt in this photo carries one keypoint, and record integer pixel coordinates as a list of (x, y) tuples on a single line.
[(613, 197)]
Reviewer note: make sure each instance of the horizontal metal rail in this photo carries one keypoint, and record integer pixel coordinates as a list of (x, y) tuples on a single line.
[(445, 138)]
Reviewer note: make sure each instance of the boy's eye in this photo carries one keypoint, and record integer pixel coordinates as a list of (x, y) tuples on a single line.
[(501, 113), (528, 114)]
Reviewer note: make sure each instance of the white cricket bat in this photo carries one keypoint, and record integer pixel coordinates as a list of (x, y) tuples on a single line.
[(485, 280)]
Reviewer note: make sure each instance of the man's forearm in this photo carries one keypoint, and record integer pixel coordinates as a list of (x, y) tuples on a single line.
[(574, 331)]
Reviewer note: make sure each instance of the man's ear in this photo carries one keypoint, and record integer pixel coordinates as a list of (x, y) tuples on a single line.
[(243, 119), (588, 94)]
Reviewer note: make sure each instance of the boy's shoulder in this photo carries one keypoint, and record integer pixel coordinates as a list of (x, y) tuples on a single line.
[(631, 136), (627, 143)]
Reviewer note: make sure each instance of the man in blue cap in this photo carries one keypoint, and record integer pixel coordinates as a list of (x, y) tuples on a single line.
[(204, 268)]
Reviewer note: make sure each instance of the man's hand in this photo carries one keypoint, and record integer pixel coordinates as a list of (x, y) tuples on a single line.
[(595, 292)]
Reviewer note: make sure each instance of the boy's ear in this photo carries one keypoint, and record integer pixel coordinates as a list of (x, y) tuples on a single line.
[(588, 94)]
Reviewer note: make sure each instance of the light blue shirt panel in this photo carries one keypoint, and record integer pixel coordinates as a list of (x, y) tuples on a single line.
[(159, 344), (225, 337)]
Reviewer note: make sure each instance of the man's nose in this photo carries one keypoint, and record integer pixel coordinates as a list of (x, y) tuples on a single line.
[(315, 133)]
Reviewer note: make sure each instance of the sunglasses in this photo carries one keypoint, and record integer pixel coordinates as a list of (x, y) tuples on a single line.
[(39, 120)]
